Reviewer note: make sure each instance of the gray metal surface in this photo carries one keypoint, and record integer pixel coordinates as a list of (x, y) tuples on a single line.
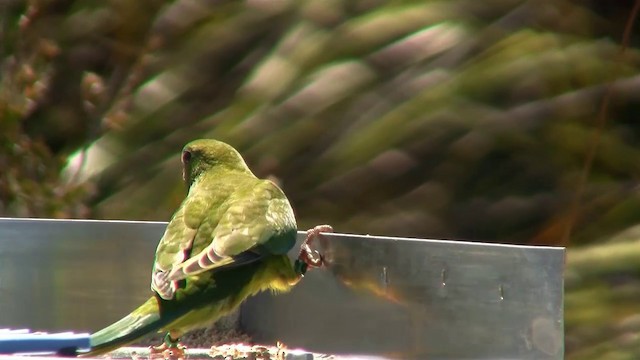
[(419, 299), (399, 298), (76, 275)]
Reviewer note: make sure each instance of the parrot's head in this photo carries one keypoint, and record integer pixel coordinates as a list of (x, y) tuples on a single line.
[(200, 156)]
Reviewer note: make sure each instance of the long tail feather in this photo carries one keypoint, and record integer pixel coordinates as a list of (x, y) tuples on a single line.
[(144, 320)]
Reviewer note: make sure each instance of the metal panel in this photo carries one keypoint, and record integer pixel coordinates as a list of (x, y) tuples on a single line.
[(419, 299), (77, 275), (402, 298)]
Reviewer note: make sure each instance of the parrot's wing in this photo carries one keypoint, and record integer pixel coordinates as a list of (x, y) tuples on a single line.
[(177, 242), (256, 223)]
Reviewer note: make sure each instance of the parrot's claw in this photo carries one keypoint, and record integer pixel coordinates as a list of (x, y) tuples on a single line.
[(307, 255), (169, 350)]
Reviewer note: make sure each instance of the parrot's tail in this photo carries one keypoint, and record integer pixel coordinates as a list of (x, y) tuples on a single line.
[(144, 320)]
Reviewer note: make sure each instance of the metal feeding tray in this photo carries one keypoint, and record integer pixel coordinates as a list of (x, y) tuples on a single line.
[(382, 297), (25, 341)]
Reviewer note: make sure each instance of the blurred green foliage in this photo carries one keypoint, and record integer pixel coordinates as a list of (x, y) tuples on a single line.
[(441, 119)]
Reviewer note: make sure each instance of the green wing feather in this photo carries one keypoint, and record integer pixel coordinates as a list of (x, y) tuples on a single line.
[(257, 221), (211, 231)]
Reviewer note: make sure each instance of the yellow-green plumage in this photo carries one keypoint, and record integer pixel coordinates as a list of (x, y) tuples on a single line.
[(228, 240)]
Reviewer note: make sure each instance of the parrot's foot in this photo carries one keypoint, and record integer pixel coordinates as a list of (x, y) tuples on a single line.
[(169, 350), (310, 257)]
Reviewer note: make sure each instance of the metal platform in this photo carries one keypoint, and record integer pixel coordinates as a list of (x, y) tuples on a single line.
[(378, 296), (20, 341)]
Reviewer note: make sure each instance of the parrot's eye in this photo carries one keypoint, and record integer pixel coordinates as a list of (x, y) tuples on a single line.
[(186, 156)]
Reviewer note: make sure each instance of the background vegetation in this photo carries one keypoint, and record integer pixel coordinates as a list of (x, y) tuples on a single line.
[(441, 119)]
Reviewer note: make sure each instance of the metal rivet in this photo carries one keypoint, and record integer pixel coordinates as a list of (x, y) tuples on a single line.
[(385, 277)]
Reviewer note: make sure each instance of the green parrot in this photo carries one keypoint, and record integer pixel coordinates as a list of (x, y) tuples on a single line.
[(228, 240)]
